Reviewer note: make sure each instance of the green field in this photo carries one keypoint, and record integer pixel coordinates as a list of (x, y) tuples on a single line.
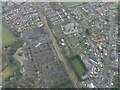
[(21, 57), (61, 83), (69, 4), (116, 82), (83, 47), (57, 32), (115, 5), (5, 74), (8, 36), (78, 66)]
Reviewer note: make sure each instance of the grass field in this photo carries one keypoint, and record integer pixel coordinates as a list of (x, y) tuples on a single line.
[(84, 24), (116, 82), (19, 58), (82, 46), (69, 4), (72, 42), (57, 31), (61, 83), (6, 73), (78, 66), (31, 27), (115, 5), (8, 36), (4, 63), (0, 34)]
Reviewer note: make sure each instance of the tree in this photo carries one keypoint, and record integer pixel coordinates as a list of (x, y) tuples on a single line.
[(20, 54), (88, 32)]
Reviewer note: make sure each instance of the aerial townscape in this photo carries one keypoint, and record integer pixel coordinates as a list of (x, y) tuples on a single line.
[(60, 45)]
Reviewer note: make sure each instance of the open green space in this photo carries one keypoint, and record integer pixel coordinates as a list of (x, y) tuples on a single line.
[(84, 24), (116, 82), (115, 5), (57, 31), (61, 83), (20, 56), (8, 36), (30, 27), (83, 47), (6, 73), (69, 4), (9, 64), (72, 42), (78, 66), (4, 63), (88, 32)]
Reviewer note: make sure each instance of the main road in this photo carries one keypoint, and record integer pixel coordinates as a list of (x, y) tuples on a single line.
[(65, 62)]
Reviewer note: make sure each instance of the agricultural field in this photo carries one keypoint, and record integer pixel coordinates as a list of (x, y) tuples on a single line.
[(8, 36), (78, 66)]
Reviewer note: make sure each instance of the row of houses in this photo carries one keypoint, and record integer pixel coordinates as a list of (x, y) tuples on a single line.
[(55, 12)]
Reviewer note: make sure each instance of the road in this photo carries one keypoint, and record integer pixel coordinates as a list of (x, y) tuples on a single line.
[(107, 60), (65, 62)]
